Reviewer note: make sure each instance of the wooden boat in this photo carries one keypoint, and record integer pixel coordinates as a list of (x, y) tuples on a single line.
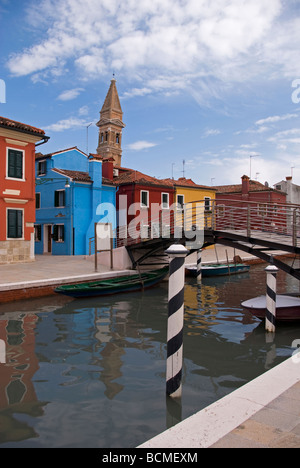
[(114, 285), (218, 269), (287, 307)]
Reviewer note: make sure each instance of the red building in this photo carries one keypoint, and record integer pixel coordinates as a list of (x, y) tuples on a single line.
[(144, 204), (17, 194), (266, 206)]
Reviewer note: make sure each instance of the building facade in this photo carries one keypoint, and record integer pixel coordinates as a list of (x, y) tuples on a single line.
[(71, 196), (17, 194)]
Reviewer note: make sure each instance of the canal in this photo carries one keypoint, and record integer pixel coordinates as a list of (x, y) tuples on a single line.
[(91, 373)]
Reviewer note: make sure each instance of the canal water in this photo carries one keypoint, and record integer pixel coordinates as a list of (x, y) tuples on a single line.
[(91, 373)]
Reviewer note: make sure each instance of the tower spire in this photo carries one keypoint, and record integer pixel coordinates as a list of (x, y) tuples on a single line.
[(111, 125)]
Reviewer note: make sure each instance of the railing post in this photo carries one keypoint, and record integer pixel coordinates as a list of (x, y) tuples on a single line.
[(248, 222), (177, 254), (295, 228)]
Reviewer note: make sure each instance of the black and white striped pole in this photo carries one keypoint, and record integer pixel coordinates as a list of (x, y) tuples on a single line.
[(199, 262), (271, 271), (177, 254)]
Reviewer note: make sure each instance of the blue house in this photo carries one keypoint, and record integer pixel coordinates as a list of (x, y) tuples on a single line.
[(71, 196)]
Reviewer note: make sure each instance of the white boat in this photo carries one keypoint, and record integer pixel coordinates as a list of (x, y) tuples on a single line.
[(287, 307)]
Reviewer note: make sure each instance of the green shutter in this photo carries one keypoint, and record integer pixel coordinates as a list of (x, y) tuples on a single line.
[(14, 224)]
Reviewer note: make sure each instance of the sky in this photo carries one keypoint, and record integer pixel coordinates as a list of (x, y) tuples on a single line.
[(209, 90)]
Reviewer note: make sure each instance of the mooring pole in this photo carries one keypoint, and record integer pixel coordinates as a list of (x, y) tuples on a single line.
[(271, 271), (199, 260), (177, 254)]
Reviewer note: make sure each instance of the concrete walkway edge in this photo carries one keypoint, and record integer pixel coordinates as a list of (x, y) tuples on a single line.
[(209, 425)]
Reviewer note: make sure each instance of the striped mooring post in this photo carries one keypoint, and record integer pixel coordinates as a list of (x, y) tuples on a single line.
[(177, 254), (271, 271), (199, 260)]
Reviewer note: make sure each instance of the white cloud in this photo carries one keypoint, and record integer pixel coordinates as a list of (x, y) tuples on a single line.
[(66, 124), (276, 118), (70, 94), (162, 46), (141, 145), (211, 132)]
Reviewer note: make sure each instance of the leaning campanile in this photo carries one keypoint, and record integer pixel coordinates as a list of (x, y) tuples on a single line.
[(110, 126)]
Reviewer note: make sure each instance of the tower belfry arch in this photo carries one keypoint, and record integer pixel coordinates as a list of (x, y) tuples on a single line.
[(111, 126)]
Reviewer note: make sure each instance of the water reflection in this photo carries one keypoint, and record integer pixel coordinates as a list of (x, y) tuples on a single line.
[(91, 373)]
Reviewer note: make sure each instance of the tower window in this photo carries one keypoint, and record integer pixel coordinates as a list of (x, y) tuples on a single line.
[(102, 138), (106, 136), (118, 138)]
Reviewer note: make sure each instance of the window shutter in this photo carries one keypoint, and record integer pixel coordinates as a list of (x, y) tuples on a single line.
[(14, 224), (63, 198), (19, 223), (63, 233), (19, 165), (56, 198), (11, 223), (15, 164), (55, 233)]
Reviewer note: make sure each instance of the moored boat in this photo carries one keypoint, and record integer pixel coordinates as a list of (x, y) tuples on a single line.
[(218, 269), (109, 286), (287, 307)]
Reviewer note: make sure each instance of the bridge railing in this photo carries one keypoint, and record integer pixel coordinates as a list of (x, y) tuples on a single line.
[(243, 217)]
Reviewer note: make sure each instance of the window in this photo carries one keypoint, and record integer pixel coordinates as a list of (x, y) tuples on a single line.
[(144, 198), (180, 202), (37, 232), (59, 198), (102, 138), (59, 232), (207, 205), (15, 164), (165, 201), (42, 167), (37, 201), (118, 138), (14, 224)]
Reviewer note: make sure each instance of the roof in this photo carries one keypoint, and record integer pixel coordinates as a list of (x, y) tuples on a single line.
[(130, 176), (254, 186), (79, 176), (49, 155), (183, 182), (20, 127)]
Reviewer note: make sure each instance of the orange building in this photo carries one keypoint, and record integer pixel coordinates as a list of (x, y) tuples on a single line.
[(17, 189)]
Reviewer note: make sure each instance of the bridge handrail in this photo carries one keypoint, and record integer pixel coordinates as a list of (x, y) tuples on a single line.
[(271, 218)]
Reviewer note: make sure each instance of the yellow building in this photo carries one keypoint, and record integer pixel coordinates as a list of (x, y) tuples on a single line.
[(194, 200)]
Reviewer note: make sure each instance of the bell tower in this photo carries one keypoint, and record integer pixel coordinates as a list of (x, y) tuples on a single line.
[(110, 126)]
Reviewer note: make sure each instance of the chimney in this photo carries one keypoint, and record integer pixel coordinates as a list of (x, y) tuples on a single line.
[(245, 185), (289, 179), (108, 168)]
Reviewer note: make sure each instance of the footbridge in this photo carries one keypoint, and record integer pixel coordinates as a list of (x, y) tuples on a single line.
[(258, 228)]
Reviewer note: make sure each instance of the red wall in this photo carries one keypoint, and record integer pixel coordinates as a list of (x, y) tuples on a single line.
[(26, 187)]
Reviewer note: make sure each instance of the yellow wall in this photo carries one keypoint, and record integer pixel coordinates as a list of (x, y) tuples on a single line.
[(192, 194)]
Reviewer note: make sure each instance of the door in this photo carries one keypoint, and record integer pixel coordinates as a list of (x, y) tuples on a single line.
[(47, 238)]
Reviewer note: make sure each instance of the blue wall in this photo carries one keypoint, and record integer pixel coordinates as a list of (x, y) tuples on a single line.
[(85, 204)]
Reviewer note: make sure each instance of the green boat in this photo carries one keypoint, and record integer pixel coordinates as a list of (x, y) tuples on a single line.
[(118, 285)]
